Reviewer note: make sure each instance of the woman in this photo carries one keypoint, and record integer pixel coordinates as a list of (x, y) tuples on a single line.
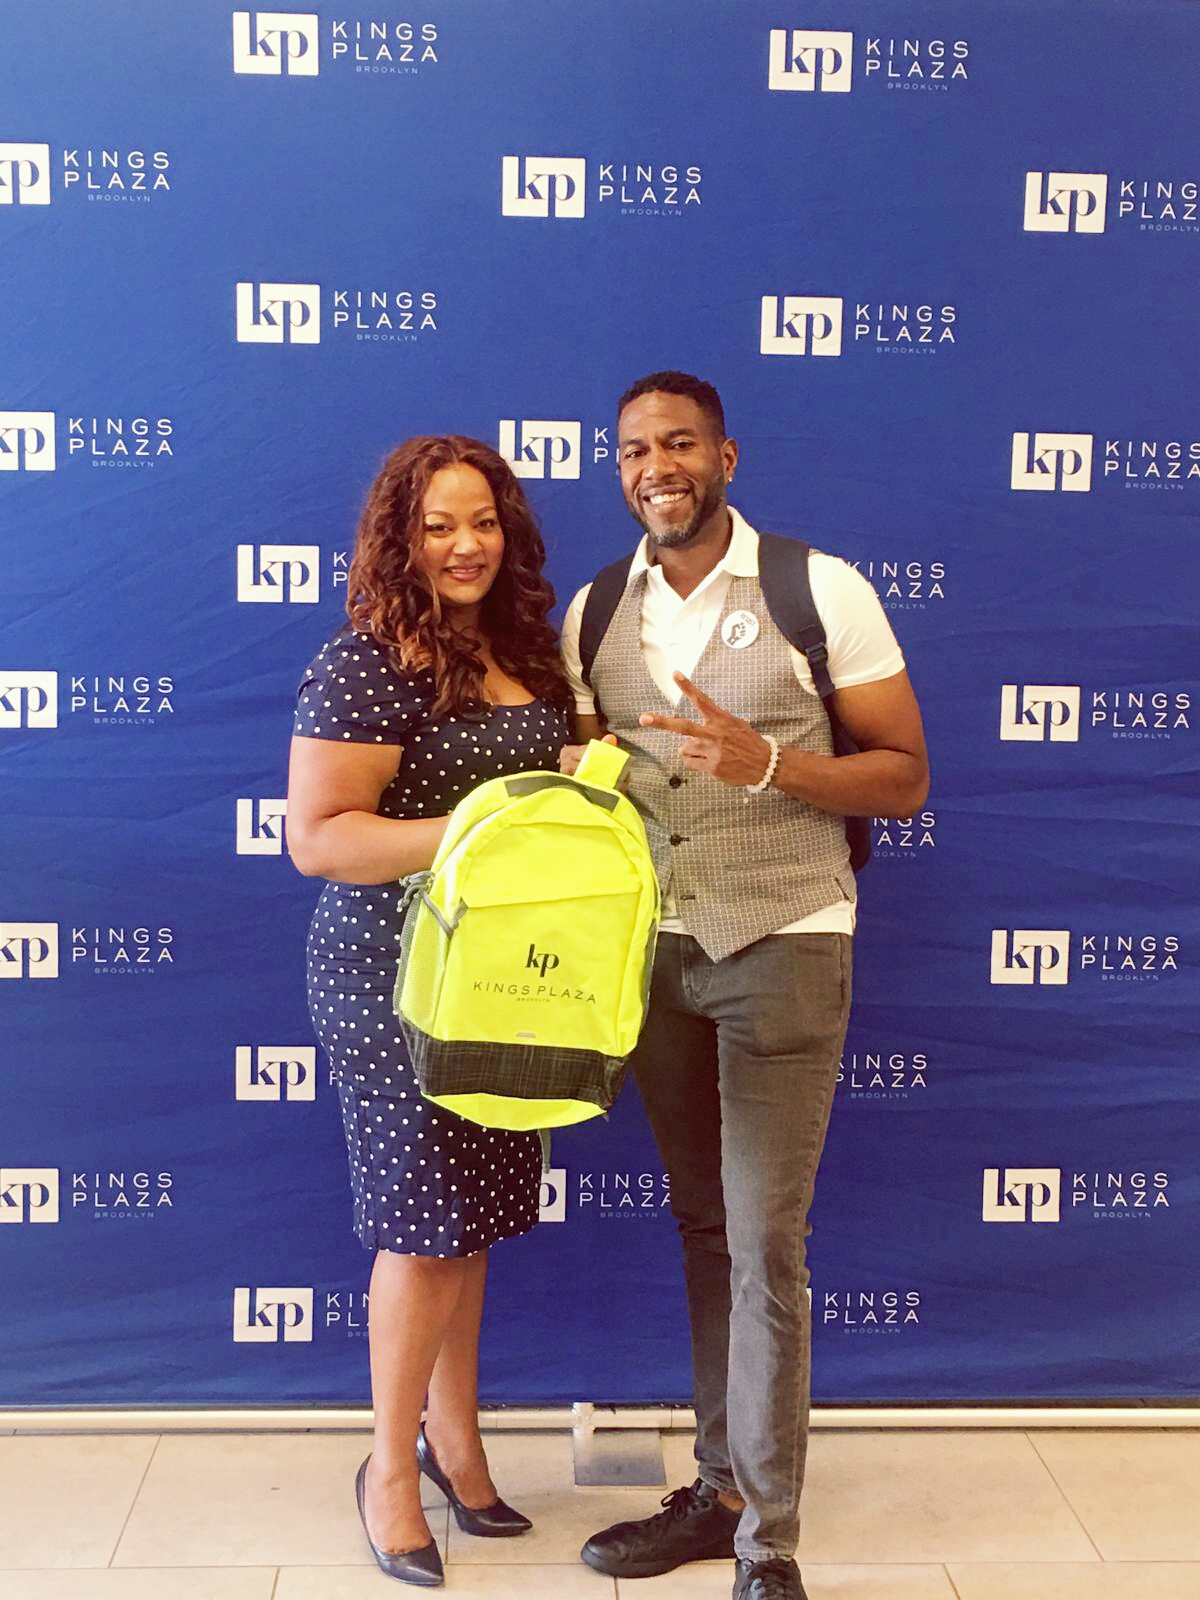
[(447, 674)]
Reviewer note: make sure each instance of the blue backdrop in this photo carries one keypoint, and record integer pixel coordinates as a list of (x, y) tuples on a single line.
[(940, 259)]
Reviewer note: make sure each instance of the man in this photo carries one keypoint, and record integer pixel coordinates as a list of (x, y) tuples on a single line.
[(744, 805)]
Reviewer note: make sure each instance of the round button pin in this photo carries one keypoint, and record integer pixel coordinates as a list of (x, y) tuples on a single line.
[(739, 629)]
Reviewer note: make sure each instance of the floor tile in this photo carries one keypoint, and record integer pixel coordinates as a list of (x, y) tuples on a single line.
[(485, 1582), (157, 1583), (535, 1473), (253, 1500), (94, 1478), (713, 1580), (1135, 1493), (1098, 1580), (882, 1498)]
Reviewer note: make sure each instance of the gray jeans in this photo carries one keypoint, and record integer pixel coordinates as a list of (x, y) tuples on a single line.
[(737, 1066)]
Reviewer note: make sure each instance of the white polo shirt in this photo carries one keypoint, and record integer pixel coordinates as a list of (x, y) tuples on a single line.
[(862, 647)]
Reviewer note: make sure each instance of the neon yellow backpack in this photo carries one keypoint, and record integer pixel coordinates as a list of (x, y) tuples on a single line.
[(527, 948)]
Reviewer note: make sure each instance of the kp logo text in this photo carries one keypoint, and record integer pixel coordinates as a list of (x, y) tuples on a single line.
[(278, 313), (28, 1194), (276, 43), (552, 1204), (541, 449), (1065, 202), (275, 1072), (1022, 1194), (27, 441), (275, 574), (800, 325), (1027, 956), (24, 174), (1035, 712), (543, 186), (272, 1316), (28, 950), (28, 699), (260, 827), (810, 61), (1049, 461)]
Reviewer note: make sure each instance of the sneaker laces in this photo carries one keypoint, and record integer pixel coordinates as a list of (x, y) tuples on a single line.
[(681, 1503), (772, 1581)]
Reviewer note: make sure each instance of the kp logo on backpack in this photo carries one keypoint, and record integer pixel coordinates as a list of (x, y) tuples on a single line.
[(527, 948)]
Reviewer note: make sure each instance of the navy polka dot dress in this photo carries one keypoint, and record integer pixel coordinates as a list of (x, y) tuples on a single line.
[(425, 1182)]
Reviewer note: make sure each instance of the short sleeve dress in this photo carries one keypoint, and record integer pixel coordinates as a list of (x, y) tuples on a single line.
[(424, 1181)]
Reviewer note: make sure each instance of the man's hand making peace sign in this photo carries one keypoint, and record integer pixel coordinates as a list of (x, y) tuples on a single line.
[(720, 744), (889, 777)]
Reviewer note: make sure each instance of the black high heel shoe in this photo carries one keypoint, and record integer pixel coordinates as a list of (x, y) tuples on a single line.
[(422, 1567), (497, 1521)]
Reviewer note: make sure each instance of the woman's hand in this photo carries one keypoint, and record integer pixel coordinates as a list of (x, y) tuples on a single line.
[(571, 755)]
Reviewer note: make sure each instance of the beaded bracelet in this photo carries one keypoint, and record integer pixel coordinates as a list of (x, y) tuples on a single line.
[(764, 782)]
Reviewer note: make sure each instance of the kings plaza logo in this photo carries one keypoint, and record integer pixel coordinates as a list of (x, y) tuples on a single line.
[(299, 1314), (559, 187), (288, 44), (35, 174), (32, 950), (1067, 713), (109, 700), (606, 1195), (30, 440), (537, 448), (890, 1310), (883, 1075), (1032, 957), (1068, 462), (1092, 202), (905, 585), (117, 1192), (623, 1196), (1055, 1194), (822, 61), (291, 313), (904, 838), (821, 325)]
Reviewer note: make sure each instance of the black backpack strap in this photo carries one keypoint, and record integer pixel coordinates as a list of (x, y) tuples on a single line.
[(783, 578), (599, 608)]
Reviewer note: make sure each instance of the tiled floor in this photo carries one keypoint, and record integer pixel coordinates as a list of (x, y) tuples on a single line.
[(888, 1516)]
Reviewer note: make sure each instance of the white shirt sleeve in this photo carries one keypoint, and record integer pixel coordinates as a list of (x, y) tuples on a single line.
[(862, 647), (585, 700)]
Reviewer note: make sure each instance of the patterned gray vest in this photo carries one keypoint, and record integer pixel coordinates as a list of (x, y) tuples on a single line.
[(737, 871)]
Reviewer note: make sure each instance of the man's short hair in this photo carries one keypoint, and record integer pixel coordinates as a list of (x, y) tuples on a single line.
[(705, 396)]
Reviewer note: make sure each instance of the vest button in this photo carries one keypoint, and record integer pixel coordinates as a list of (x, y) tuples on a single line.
[(677, 838), (674, 782)]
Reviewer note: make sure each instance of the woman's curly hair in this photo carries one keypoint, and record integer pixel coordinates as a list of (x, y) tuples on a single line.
[(391, 599)]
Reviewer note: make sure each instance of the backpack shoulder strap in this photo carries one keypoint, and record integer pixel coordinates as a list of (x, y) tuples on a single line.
[(783, 576), (599, 608)]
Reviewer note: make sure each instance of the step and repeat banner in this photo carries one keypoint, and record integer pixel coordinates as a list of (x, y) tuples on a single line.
[(940, 259)]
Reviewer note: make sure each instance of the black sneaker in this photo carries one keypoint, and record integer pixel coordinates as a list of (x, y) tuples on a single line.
[(768, 1580), (695, 1526)]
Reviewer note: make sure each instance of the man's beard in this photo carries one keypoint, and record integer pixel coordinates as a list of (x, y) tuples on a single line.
[(679, 538)]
